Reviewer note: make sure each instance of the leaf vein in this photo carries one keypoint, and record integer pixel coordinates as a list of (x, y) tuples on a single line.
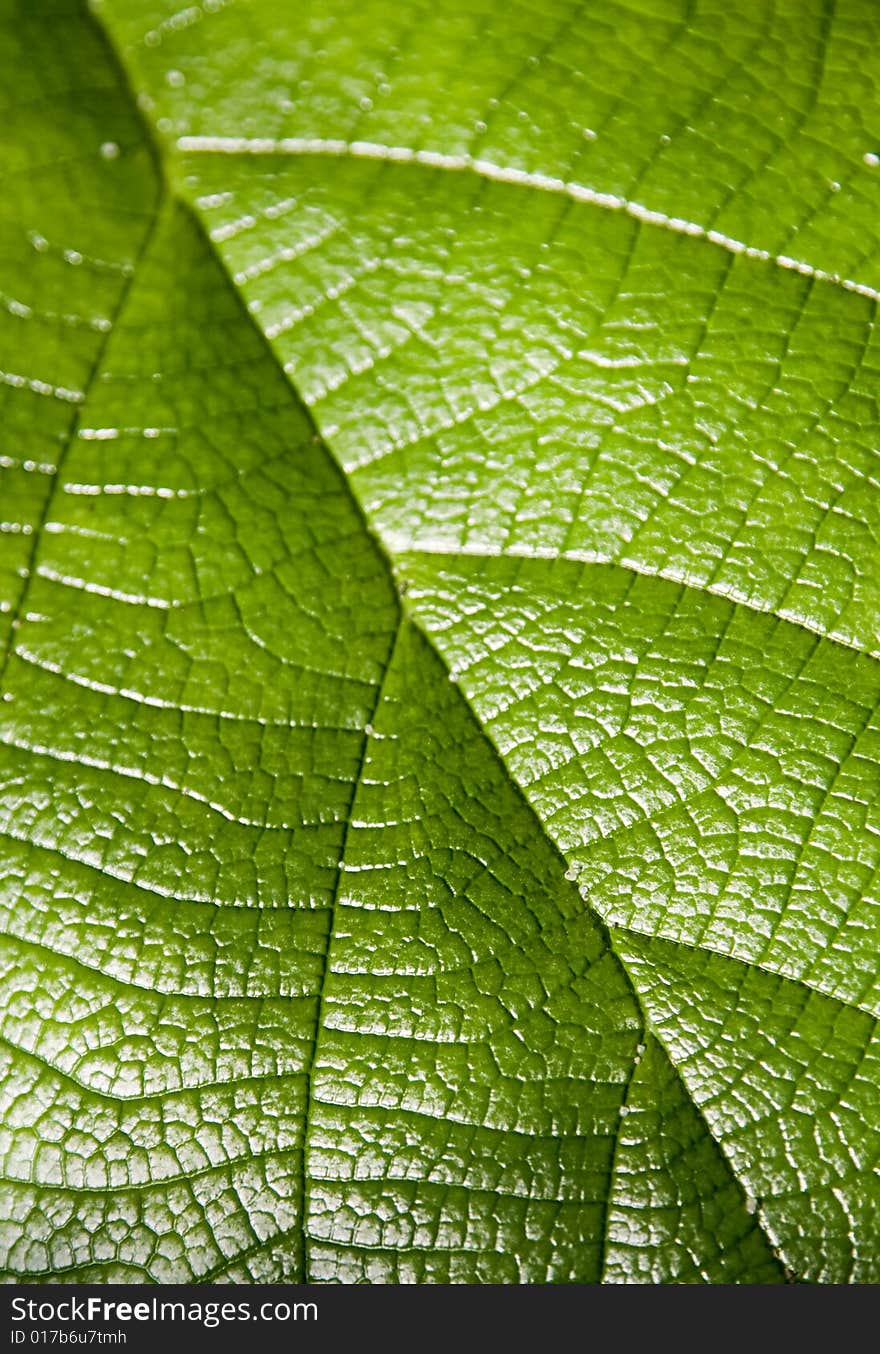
[(508, 174)]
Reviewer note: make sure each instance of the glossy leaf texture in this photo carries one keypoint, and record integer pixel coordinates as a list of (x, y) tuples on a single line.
[(440, 613)]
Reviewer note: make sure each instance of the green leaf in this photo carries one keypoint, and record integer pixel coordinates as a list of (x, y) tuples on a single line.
[(440, 622)]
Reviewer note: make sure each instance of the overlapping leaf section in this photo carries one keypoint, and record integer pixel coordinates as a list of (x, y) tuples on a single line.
[(194, 1088), (308, 973), (675, 1213), (711, 774), (508, 371), (478, 1034)]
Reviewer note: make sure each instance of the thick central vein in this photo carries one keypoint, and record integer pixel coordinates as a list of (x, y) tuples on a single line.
[(487, 169)]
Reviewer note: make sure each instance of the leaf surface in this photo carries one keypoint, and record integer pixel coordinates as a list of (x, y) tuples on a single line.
[(439, 599)]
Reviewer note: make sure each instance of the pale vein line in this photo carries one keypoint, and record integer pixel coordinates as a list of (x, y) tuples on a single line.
[(40, 387), (164, 781), (706, 948), (487, 169), (138, 1097), (405, 546), (177, 707)]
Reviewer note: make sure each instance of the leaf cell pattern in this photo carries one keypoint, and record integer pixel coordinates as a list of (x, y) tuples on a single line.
[(439, 623)]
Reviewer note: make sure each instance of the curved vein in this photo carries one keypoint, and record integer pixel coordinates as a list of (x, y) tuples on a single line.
[(488, 169)]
